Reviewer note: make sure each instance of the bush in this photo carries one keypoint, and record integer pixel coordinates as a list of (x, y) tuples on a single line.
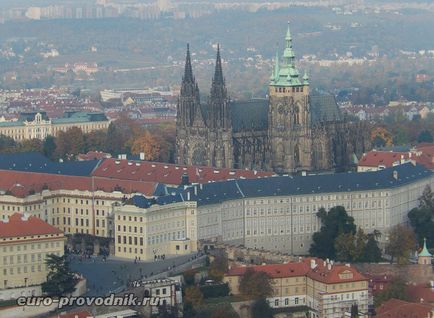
[(212, 291)]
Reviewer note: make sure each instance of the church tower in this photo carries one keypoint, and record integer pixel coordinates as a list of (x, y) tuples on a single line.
[(187, 109), (289, 114), (219, 120)]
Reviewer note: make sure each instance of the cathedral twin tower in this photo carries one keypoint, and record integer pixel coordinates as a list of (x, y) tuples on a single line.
[(290, 131)]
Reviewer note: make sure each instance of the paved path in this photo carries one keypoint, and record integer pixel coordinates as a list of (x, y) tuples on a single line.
[(105, 277)]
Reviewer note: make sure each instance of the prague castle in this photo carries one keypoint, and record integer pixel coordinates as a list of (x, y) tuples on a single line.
[(290, 131)]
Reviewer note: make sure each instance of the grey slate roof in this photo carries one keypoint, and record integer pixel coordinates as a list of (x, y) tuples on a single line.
[(217, 192), (323, 108), (36, 162), (249, 115), (253, 114)]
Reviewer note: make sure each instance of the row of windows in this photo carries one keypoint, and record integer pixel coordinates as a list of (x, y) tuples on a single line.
[(18, 248)]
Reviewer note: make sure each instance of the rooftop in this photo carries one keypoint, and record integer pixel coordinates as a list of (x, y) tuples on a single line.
[(395, 308), (19, 225)]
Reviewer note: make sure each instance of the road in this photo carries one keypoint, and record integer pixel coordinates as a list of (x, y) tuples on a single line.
[(105, 277)]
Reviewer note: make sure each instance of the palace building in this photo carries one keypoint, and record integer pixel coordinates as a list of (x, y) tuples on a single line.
[(292, 130), (37, 125)]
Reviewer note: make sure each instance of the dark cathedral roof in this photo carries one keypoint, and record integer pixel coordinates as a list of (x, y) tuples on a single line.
[(249, 115), (324, 108), (253, 114)]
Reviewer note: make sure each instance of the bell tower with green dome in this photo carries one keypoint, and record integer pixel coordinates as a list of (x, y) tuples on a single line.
[(289, 114), (424, 257)]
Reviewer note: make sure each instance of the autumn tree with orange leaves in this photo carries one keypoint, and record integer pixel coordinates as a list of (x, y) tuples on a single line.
[(148, 144)]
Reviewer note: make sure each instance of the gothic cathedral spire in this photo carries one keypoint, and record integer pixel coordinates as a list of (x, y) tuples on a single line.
[(189, 101), (219, 116)]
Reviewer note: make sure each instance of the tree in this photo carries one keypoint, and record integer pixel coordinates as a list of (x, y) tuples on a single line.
[(49, 147), (396, 289), (372, 250), (261, 309), (30, 145), (255, 284), (189, 277), (218, 267), (147, 144), (354, 311), (401, 243), (334, 223), (6, 143), (60, 280), (70, 143), (194, 296), (425, 136), (224, 312), (345, 247), (95, 140), (360, 245)]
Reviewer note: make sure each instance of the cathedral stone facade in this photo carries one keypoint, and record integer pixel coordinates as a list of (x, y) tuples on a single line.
[(291, 131)]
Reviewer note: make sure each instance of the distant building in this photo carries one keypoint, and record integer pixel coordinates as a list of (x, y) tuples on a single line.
[(380, 159), (153, 229), (37, 125), (25, 242), (326, 289)]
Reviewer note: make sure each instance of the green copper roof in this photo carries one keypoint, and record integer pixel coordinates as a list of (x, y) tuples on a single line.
[(424, 252), (286, 73)]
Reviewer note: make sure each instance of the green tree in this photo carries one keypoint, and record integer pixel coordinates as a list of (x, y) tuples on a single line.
[(360, 245), (95, 140), (261, 309), (333, 223), (194, 296), (345, 247), (396, 289), (372, 250), (60, 280), (425, 136), (218, 267), (31, 145), (7, 144), (401, 243), (255, 284), (49, 147), (422, 217)]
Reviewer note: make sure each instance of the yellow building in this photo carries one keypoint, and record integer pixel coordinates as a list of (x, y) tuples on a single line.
[(328, 290), (37, 125), (154, 230), (25, 242)]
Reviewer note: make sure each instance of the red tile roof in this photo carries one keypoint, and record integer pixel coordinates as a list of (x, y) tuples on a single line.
[(336, 273), (21, 184), (274, 270), (382, 158), (420, 293), (22, 225), (395, 308), (169, 173)]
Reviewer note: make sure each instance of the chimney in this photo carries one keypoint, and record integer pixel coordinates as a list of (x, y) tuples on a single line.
[(188, 196), (312, 264), (195, 190), (201, 186), (185, 179), (329, 266), (142, 156), (395, 174)]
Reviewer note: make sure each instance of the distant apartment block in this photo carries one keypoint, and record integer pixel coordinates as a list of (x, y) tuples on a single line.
[(37, 125)]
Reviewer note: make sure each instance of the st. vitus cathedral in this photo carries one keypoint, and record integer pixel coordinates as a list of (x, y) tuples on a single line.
[(291, 131)]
